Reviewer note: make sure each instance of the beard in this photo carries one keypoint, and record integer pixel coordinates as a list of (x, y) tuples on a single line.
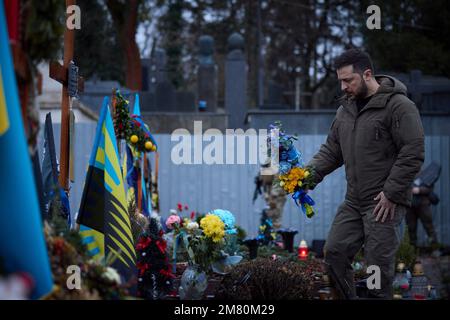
[(361, 92)]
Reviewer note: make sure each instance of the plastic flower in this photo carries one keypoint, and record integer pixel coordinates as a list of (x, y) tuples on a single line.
[(227, 218), (171, 220), (112, 275), (213, 227), (143, 243), (192, 226)]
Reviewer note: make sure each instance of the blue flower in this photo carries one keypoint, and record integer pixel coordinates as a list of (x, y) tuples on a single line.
[(284, 167), (227, 218)]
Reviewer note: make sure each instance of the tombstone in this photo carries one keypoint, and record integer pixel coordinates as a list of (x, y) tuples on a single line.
[(236, 82), (275, 96), (185, 101), (165, 96), (207, 74), (162, 93), (147, 100), (157, 70)]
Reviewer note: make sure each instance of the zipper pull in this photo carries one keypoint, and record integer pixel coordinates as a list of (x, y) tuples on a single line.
[(377, 133), (397, 122)]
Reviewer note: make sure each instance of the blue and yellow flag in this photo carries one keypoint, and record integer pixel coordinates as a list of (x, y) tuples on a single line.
[(22, 245), (103, 216)]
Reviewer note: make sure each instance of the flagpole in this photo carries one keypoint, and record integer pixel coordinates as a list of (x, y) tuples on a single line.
[(139, 186)]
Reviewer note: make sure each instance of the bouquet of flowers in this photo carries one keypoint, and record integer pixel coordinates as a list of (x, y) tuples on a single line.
[(210, 244), (293, 176)]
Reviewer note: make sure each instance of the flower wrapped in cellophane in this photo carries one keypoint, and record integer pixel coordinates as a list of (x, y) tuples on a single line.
[(211, 243), (293, 176)]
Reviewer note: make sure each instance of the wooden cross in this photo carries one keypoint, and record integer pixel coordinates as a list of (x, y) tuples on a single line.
[(60, 73)]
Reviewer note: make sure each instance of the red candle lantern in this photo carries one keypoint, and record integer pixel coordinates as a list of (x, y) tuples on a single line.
[(303, 250)]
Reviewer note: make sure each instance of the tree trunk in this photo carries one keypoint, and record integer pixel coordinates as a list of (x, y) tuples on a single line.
[(125, 18)]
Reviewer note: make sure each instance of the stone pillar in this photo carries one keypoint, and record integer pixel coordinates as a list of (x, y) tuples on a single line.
[(206, 75), (158, 68), (236, 82)]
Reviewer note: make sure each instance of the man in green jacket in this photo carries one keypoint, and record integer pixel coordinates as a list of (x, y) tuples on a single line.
[(377, 135)]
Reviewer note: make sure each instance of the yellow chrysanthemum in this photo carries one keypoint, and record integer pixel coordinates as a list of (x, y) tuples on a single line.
[(213, 227)]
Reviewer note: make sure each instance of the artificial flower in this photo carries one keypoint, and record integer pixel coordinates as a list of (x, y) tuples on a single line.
[(143, 243), (112, 275), (213, 227), (171, 220), (192, 226)]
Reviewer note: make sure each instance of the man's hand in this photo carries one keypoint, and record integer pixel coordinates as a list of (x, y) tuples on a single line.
[(415, 190), (384, 208)]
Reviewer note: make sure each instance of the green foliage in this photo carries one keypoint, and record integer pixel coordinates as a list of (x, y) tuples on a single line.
[(231, 244), (44, 30), (61, 229), (406, 252), (241, 233), (412, 37), (172, 24), (97, 49)]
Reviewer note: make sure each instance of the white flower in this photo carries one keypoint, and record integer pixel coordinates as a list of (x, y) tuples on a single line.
[(192, 226), (112, 275)]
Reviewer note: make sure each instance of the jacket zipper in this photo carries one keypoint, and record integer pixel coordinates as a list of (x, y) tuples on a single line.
[(354, 156)]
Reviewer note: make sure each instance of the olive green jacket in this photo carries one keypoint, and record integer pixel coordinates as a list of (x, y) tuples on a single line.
[(381, 147)]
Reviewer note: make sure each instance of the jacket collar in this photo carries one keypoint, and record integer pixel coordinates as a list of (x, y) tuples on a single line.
[(378, 101)]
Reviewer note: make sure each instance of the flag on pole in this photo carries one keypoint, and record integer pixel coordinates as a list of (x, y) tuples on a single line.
[(133, 177), (22, 245), (103, 217), (137, 106), (49, 164), (54, 195)]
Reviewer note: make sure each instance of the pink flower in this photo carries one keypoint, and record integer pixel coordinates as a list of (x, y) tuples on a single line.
[(171, 220)]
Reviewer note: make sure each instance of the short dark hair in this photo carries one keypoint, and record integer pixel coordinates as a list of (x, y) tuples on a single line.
[(359, 59)]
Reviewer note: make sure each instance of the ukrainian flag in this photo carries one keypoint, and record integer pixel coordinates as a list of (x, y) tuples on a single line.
[(22, 245), (103, 217)]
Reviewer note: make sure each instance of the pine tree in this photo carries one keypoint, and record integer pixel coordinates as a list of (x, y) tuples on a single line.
[(406, 252)]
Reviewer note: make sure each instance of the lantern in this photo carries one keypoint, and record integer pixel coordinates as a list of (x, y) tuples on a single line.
[(303, 250), (419, 283)]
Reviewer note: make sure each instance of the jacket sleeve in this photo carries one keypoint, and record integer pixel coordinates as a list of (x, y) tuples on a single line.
[(329, 156), (407, 133)]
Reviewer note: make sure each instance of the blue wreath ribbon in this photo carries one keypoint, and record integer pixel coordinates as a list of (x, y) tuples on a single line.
[(303, 200)]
